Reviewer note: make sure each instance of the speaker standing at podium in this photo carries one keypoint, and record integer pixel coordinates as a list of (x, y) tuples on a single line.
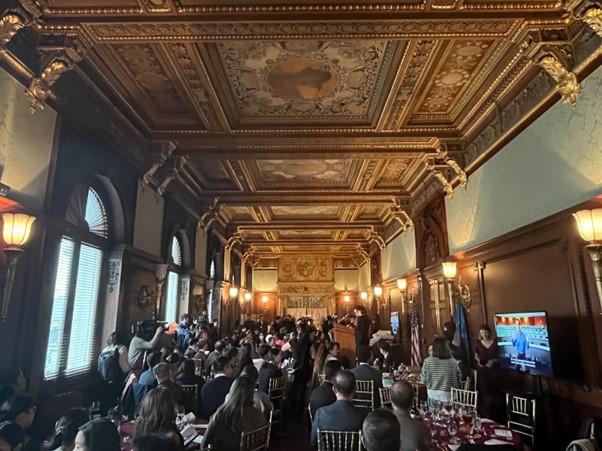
[(362, 327)]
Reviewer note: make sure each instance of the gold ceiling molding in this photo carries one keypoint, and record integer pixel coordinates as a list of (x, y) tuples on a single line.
[(178, 166), (267, 31), (210, 216), (167, 150), (54, 64), (449, 166), (567, 84)]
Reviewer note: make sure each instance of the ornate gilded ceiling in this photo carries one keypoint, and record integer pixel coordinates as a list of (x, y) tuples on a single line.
[(313, 125)]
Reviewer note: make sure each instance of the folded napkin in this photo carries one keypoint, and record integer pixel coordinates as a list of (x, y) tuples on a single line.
[(453, 447), (495, 441), (503, 432)]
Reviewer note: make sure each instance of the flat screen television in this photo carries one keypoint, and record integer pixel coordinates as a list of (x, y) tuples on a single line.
[(394, 323), (524, 343)]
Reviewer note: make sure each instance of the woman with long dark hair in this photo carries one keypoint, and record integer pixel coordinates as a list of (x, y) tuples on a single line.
[(66, 430), (319, 362), (158, 415), (440, 372), (98, 435), (245, 358), (235, 416)]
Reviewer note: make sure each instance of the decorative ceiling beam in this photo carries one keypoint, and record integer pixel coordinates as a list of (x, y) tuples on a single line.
[(166, 150), (306, 225), (302, 198)]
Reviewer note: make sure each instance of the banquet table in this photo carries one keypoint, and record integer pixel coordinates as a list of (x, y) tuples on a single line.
[(491, 433), (127, 432)]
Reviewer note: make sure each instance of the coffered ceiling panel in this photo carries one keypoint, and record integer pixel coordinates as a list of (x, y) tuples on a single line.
[(312, 126), (305, 173)]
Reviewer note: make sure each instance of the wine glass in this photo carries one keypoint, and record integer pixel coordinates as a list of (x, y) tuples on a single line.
[(452, 428), (180, 415), (423, 408), (476, 425), (468, 418), (448, 406)]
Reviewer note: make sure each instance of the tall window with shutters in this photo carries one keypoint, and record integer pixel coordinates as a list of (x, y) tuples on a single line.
[(72, 337), (173, 281)]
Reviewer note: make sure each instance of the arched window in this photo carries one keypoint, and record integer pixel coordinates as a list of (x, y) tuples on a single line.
[(173, 281), (71, 340)]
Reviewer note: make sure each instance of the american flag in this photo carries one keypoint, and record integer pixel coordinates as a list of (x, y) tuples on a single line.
[(416, 357)]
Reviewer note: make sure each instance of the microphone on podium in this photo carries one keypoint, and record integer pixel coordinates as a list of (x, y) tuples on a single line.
[(343, 318)]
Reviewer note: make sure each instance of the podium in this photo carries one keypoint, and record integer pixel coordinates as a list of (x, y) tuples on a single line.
[(345, 336)]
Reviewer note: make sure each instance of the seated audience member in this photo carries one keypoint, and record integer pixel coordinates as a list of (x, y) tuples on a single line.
[(235, 416), (187, 376), (202, 351), (11, 436), (138, 346), (380, 431), (440, 372), (66, 429), (158, 415), (193, 348), (324, 394), (261, 401), (213, 356), (387, 362), (334, 350), (98, 435), (148, 376), (270, 368), (155, 442), (319, 362), (342, 415), (244, 358), (21, 409), (174, 359), (183, 334), (164, 373), (415, 434), (14, 378), (364, 372), (214, 392)]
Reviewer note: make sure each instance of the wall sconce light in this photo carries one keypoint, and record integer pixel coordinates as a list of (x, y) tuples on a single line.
[(364, 295), (16, 232), (246, 300), (590, 228), (264, 303), (346, 299), (402, 285), (461, 292), (378, 291), (232, 294)]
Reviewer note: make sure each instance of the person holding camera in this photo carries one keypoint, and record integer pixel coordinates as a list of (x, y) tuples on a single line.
[(138, 346)]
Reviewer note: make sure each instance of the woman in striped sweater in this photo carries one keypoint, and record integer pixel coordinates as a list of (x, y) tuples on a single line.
[(440, 372)]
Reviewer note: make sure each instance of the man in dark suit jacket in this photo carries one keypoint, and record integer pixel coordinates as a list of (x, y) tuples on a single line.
[(362, 327), (269, 369), (164, 372), (342, 415), (212, 357), (213, 393), (364, 372), (380, 431), (324, 395), (387, 363), (415, 435)]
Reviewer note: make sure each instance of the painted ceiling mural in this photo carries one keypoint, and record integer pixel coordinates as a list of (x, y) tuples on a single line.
[(307, 126)]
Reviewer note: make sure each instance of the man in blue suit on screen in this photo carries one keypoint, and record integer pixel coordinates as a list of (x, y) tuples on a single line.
[(520, 342)]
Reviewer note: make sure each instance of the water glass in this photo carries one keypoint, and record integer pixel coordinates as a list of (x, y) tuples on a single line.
[(452, 428)]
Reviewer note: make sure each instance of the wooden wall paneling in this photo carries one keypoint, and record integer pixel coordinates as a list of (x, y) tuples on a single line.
[(543, 267), (341, 310), (270, 313)]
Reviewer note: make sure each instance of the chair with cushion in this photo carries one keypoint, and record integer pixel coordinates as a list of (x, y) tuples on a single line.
[(364, 394), (258, 439), (521, 414), (385, 397), (339, 440), (464, 398)]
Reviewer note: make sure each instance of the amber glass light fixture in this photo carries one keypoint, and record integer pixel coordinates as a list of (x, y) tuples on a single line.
[(16, 232), (264, 303), (590, 228), (449, 270)]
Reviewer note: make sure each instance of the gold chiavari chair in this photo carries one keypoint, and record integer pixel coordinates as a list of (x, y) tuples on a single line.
[(191, 393), (277, 394), (521, 413), (385, 397), (364, 394), (339, 440), (256, 440), (464, 398)]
